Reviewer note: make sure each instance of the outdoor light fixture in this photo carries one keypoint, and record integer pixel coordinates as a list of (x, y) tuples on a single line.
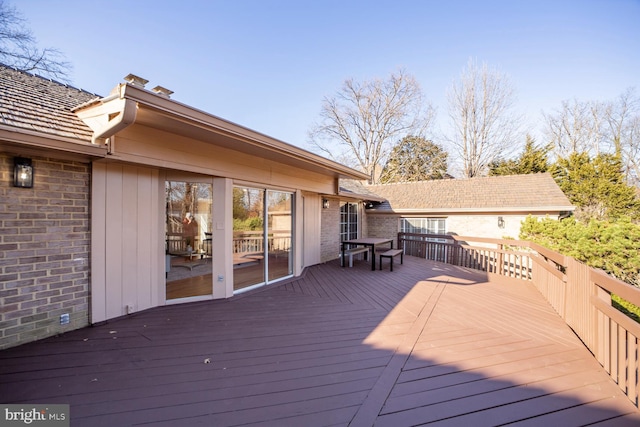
[(22, 172), (325, 204), (500, 222)]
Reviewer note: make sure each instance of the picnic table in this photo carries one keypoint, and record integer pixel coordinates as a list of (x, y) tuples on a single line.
[(369, 242)]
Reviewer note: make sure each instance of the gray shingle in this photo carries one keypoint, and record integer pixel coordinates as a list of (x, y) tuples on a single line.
[(34, 103), (489, 193)]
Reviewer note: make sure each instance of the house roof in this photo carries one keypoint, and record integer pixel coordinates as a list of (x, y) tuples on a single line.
[(38, 112), (357, 190), (33, 103), (133, 104), (528, 193)]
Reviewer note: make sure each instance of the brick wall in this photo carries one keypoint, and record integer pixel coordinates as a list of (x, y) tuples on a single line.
[(44, 250), (463, 225), (383, 226), (330, 231), (486, 225)]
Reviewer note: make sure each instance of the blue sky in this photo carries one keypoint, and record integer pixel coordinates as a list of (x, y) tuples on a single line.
[(267, 64)]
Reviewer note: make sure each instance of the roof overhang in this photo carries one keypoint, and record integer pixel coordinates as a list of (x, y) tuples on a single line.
[(162, 113), (361, 196), (37, 141), (479, 211)]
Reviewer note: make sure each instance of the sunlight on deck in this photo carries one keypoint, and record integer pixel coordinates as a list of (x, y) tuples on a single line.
[(465, 347)]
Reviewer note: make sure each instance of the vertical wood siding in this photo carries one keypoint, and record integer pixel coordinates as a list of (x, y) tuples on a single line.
[(127, 261), (311, 229)]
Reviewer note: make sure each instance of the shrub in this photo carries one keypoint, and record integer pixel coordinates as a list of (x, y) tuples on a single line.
[(611, 246)]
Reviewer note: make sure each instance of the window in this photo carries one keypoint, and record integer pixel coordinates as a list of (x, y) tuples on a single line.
[(426, 226), (423, 225), (348, 221)]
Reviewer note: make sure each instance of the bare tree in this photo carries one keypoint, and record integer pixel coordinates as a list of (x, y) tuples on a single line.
[(622, 117), (18, 47), (631, 152), (577, 128), (481, 109), (595, 127), (364, 119)]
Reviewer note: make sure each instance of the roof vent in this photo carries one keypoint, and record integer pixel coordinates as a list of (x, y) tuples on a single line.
[(136, 81), (162, 91)]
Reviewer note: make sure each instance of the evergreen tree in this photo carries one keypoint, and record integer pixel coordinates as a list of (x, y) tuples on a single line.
[(415, 159), (596, 186), (613, 246), (533, 159)]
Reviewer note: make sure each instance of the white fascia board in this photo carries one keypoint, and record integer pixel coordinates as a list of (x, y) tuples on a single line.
[(205, 120), (25, 137)]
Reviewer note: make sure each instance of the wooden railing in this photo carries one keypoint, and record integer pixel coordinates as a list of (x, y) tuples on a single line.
[(490, 255), (580, 294), (250, 242)]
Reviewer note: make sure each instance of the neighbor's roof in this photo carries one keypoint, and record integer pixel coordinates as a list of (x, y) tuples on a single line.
[(529, 193), (36, 104)]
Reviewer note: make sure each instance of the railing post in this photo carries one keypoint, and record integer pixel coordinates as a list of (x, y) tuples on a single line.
[(454, 258), (602, 329)]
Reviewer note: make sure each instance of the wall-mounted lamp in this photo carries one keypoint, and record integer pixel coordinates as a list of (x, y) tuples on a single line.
[(22, 172), (325, 203), (500, 222)]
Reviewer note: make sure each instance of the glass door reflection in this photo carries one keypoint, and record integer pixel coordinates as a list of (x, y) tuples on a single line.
[(262, 236), (188, 239), (248, 237), (279, 227)]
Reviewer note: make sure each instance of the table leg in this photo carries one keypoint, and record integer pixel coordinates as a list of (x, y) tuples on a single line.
[(342, 254), (373, 257)]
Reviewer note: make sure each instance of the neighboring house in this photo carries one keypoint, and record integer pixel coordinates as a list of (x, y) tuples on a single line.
[(480, 207), (134, 202)]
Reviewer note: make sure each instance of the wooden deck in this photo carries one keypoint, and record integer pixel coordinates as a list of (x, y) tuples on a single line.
[(426, 343)]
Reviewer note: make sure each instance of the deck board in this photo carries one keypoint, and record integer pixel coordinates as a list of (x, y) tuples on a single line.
[(426, 343)]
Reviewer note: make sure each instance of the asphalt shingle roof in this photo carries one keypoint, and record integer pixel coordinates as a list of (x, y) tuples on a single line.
[(34, 103), (487, 193), (355, 189)]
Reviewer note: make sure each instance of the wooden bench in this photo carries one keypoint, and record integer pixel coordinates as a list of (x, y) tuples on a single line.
[(391, 253), (355, 251)]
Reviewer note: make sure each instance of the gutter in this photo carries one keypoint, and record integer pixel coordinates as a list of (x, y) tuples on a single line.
[(429, 211), (38, 140), (109, 115)]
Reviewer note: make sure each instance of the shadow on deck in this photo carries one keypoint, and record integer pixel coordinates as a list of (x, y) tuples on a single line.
[(427, 343)]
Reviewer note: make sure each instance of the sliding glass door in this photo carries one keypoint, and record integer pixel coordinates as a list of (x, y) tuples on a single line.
[(248, 237), (279, 232), (262, 231), (188, 239)]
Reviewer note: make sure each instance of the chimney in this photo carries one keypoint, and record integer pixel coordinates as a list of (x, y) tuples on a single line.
[(162, 91), (136, 81)]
